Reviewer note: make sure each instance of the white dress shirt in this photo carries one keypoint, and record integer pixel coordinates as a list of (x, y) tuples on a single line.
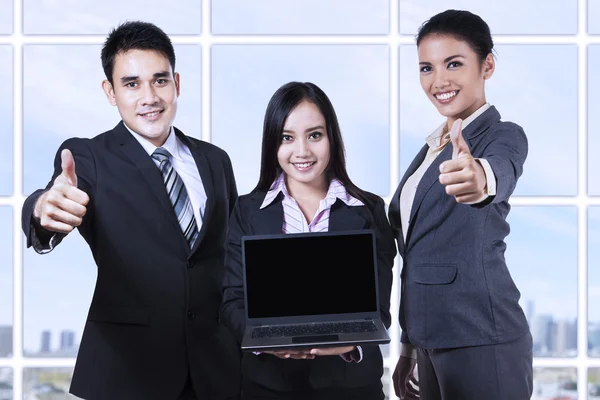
[(184, 164)]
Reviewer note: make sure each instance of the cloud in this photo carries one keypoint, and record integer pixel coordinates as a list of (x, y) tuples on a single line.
[(300, 17), (91, 17)]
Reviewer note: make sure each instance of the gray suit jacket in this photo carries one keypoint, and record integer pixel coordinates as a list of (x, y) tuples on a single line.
[(456, 288)]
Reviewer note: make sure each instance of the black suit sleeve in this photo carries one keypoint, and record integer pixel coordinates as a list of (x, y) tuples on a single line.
[(85, 169), (386, 252), (232, 312)]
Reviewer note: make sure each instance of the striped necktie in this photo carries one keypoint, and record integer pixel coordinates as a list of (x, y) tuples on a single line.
[(178, 195)]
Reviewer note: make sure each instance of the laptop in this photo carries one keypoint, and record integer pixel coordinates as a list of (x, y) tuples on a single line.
[(311, 290)]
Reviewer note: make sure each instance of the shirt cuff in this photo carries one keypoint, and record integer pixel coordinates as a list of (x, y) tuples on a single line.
[(38, 246), (355, 355), (490, 181), (408, 351)]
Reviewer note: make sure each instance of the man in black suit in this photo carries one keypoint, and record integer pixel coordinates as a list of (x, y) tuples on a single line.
[(153, 205)]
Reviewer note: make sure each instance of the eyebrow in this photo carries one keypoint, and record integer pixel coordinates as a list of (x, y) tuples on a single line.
[(445, 60), (131, 78), (314, 128)]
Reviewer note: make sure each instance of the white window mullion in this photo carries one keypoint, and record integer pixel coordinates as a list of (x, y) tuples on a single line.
[(17, 200), (582, 286)]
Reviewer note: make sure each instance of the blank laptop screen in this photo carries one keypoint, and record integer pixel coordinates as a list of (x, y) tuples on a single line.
[(310, 275)]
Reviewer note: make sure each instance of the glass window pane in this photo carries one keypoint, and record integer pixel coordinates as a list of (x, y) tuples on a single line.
[(593, 120), (79, 106), (594, 281), (541, 274), (6, 122), (47, 383), (515, 89), (594, 384), (99, 17), (300, 17), (6, 384), (6, 18), (554, 383), (510, 17), (6, 281), (355, 78), (593, 13), (52, 303)]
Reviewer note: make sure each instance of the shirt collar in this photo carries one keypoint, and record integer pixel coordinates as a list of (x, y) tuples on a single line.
[(433, 140), (172, 144), (336, 191)]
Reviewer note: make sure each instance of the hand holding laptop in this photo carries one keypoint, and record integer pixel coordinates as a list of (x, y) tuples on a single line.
[(312, 353)]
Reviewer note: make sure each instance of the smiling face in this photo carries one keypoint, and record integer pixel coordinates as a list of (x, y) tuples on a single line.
[(304, 151), (452, 75), (145, 92)]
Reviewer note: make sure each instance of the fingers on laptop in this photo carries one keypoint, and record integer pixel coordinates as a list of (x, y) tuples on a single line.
[(293, 354)]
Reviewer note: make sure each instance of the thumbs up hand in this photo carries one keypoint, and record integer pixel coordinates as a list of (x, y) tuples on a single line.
[(62, 207), (463, 176)]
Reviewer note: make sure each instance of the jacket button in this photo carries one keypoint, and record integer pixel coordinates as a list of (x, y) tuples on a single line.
[(189, 264), (191, 315)]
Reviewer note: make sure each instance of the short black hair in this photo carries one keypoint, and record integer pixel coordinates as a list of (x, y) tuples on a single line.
[(463, 25), (135, 35)]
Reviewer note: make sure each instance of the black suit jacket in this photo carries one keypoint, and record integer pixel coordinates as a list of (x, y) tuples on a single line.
[(327, 371), (456, 288), (154, 313)]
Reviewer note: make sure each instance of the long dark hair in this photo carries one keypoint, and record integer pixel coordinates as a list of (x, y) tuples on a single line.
[(463, 25), (283, 101)]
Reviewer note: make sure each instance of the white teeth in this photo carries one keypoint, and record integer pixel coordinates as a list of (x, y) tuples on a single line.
[(152, 114), (303, 165), (446, 96)]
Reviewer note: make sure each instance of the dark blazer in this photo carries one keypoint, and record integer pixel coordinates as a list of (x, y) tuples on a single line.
[(456, 288), (154, 313), (326, 371)]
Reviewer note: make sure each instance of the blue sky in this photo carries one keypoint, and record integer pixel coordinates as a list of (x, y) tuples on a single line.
[(6, 262), (6, 16), (97, 17), (531, 86), (300, 17), (6, 131), (593, 117), (594, 263), (503, 16), (594, 16)]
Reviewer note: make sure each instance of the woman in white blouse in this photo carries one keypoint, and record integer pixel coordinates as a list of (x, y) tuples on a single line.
[(460, 315)]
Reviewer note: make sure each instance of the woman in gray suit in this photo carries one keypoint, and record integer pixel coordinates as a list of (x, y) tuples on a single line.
[(461, 321)]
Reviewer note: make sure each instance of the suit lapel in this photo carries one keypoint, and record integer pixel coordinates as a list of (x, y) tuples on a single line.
[(345, 218), (269, 220), (138, 156), (431, 176), (207, 182), (394, 211)]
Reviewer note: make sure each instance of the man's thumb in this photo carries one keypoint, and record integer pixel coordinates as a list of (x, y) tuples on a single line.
[(67, 164), (459, 146)]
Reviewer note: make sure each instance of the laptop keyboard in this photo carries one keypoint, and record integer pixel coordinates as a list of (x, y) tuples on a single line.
[(314, 329)]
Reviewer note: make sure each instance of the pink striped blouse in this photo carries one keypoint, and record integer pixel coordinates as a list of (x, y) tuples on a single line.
[(293, 219)]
